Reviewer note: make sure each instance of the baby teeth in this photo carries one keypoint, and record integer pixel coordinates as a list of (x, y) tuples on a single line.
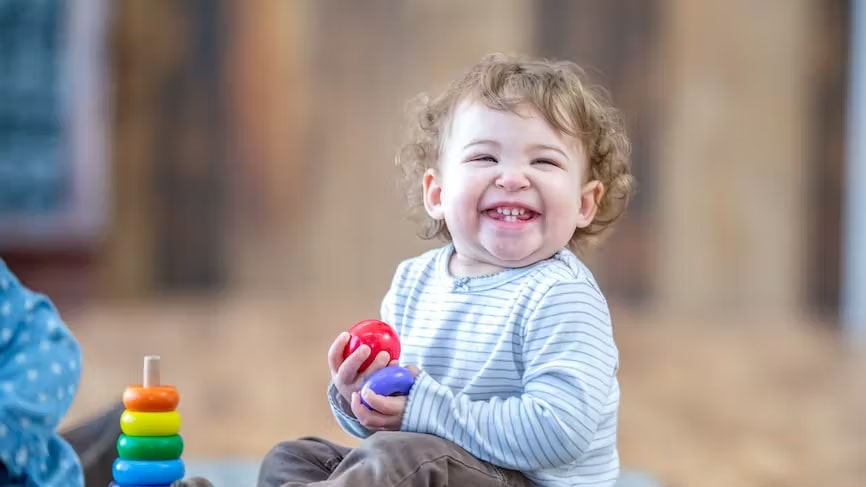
[(511, 211)]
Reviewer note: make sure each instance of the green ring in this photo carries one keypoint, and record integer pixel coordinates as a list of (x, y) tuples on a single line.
[(149, 447)]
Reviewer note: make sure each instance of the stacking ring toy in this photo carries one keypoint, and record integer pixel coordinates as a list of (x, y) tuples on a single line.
[(132, 472), (152, 399), (150, 447), (389, 381), (139, 423), (149, 450)]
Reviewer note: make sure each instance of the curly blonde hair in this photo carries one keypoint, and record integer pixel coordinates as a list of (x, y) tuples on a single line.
[(559, 91)]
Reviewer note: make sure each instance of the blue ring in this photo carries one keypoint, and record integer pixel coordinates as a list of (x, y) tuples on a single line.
[(144, 472)]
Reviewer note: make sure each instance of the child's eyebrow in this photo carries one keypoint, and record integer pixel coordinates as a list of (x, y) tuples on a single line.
[(549, 147), (530, 148), (481, 142)]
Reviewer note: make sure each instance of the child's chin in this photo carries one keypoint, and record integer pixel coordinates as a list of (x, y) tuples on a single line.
[(514, 259)]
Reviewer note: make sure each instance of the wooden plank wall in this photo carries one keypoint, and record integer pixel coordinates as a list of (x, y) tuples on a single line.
[(271, 110), (169, 149), (301, 175), (732, 157), (827, 113), (128, 257)]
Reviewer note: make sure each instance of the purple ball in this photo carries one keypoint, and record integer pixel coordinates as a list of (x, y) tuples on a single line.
[(392, 380)]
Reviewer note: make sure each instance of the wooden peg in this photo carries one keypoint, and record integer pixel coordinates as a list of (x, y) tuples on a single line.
[(151, 371)]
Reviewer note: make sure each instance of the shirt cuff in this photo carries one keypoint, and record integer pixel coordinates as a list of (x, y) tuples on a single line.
[(342, 412), (423, 406)]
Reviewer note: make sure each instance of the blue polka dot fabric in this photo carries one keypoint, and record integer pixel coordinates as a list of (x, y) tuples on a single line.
[(40, 363)]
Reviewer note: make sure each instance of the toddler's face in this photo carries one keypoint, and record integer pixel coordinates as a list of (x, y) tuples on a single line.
[(510, 188)]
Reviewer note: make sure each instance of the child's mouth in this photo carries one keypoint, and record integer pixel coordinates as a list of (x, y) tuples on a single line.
[(507, 214)]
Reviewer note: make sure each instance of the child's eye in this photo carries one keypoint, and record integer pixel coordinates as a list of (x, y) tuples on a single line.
[(484, 158), (546, 162)]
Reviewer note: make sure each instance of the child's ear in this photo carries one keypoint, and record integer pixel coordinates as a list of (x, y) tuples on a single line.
[(590, 197), (433, 194)]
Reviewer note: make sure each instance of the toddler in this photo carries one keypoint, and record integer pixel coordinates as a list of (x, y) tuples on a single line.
[(520, 166)]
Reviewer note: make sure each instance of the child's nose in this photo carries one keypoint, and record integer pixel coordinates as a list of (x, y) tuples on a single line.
[(512, 180)]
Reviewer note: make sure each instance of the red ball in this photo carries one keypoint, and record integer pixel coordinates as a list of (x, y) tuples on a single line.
[(377, 335)]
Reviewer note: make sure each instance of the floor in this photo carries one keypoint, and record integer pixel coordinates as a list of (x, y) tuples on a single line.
[(770, 403)]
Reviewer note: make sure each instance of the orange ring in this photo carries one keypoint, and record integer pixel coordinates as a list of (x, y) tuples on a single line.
[(153, 399)]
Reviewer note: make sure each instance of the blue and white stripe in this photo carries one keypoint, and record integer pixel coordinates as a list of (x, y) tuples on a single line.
[(518, 368)]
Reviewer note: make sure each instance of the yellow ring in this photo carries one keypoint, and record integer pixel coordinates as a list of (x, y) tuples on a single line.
[(139, 423)]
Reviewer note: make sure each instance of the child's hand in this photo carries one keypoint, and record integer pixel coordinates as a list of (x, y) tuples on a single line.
[(388, 414), (344, 373)]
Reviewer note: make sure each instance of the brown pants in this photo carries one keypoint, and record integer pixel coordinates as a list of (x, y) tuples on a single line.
[(385, 459)]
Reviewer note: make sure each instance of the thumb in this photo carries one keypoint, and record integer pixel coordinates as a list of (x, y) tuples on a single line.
[(414, 370)]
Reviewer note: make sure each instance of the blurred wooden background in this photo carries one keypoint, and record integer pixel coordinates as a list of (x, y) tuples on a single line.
[(254, 214), (252, 142), (257, 139)]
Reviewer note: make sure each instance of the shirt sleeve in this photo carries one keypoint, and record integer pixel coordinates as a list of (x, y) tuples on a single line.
[(338, 404), (344, 417), (570, 362), (39, 375)]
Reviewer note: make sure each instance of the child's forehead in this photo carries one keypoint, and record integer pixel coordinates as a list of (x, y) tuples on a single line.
[(473, 118)]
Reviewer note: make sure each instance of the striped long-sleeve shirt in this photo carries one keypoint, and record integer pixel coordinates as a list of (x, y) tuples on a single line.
[(518, 367), (40, 365)]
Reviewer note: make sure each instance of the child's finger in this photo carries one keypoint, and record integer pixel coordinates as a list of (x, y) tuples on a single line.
[(371, 420), (348, 371), (362, 414), (335, 352), (379, 362), (385, 405)]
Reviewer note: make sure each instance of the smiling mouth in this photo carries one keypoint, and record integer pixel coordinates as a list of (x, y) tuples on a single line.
[(510, 214)]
